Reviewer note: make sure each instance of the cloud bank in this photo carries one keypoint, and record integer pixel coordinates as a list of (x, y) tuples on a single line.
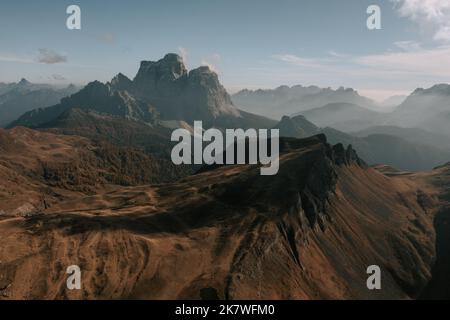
[(431, 15)]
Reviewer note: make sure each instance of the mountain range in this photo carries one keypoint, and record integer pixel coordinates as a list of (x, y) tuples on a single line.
[(161, 90), (164, 95), (88, 180), (428, 109), (286, 100), (343, 116), (18, 98), (345, 110), (391, 146)]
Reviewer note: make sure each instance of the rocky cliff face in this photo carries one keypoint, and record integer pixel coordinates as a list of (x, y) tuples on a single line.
[(183, 95)]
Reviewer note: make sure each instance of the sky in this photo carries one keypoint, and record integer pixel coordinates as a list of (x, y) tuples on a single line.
[(250, 44)]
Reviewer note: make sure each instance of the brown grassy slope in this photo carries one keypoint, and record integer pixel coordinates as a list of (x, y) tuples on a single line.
[(38, 169), (309, 232)]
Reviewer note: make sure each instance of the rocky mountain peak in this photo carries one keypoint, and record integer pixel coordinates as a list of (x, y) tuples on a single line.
[(204, 76), (121, 82), (179, 94), (169, 68), (24, 82), (442, 89)]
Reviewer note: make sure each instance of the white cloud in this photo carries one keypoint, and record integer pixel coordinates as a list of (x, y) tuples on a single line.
[(14, 58), (408, 45), (433, 15), (411, 59), (299, 61), (183, 53), (337, 54), (431, 62), (396, 71), (212, 62)]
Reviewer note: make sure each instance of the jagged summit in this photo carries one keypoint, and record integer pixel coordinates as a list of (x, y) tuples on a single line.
[(24, 82), (121, 82), (169, 68), (438, 89), (293, 100), (181, 94)]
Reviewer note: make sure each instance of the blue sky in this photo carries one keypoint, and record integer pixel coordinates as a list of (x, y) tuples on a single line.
[(251, 43)]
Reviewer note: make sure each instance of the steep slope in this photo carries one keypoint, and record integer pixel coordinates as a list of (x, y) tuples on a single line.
[(286, 100), (439, 286), (428, 109), (161, 90), (309, 232)]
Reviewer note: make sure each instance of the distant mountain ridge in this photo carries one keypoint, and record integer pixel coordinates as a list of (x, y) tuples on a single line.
[(415, 135), (162, 89), (343, 116), (22, 85), (374, 147), (286, 100), (18, 98), (425, 112), (428, 109)]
